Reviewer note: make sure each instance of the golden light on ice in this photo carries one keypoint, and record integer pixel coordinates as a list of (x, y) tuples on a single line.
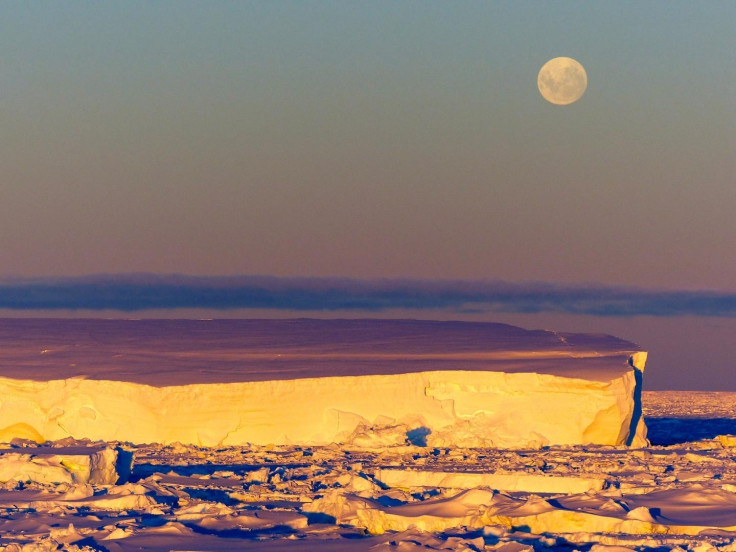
[(562, 81)]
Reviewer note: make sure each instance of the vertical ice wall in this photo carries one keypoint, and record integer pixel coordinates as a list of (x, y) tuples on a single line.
[(466, 408)]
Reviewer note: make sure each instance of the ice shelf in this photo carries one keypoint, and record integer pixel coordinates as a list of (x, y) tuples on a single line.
[(363, 382)]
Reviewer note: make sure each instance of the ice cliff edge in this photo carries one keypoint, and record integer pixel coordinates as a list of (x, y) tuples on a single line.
[(365, 382)]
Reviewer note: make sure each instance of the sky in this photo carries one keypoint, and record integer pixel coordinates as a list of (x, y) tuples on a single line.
[(381, 141)]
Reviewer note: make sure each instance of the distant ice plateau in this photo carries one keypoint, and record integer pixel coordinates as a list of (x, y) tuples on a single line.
[(369, 383)]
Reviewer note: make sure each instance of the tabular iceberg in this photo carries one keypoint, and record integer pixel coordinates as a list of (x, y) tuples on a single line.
[(370, 383)]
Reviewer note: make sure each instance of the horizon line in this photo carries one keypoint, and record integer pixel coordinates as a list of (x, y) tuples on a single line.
[(132, 292)]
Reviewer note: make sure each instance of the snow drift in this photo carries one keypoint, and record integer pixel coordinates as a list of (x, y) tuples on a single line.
[(371, 383)]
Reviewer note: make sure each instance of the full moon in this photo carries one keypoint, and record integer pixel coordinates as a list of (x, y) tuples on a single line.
[(562, 81)]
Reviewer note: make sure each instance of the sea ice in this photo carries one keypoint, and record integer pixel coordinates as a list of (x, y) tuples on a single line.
[(72, 465)]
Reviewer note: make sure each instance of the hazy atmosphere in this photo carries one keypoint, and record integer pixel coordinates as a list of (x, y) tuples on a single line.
[(377, 159)]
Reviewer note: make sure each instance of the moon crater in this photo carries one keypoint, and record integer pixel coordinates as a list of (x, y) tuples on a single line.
[(562, 81)]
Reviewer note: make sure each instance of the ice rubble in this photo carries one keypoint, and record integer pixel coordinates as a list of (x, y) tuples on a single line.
[(366, 382), (524, 482), (97, 465), (293, 497), (688, 512)]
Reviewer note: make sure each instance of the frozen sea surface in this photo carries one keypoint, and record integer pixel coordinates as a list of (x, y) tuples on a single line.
[(676, 417)]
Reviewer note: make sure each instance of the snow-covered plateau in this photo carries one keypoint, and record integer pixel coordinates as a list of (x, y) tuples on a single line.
[(371, 383)]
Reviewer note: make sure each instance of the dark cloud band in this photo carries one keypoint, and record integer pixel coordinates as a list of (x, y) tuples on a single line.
[(140, 292)]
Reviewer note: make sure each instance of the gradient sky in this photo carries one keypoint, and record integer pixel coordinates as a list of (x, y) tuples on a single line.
[(371, 140)]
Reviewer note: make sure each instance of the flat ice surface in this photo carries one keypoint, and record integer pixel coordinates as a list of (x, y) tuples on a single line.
[(180, 352)]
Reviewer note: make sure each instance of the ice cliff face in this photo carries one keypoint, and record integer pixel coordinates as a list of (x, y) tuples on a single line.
[(444, 408), (519, 389)]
